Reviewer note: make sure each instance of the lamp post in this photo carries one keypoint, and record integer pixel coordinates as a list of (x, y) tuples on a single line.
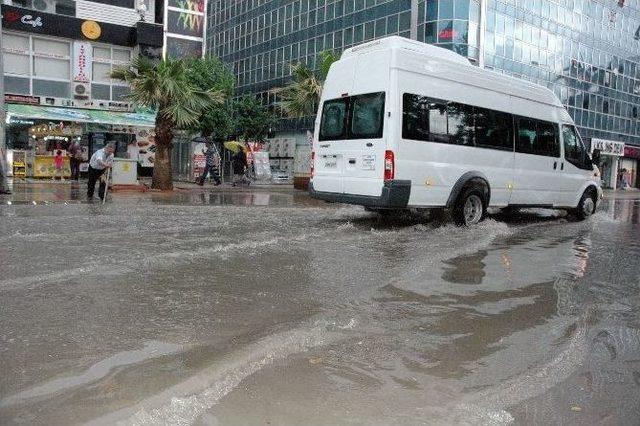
[(3, 118), (413, 34)]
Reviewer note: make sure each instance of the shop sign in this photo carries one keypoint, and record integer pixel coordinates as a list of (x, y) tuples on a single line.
[(631, 152), (608, 147), (21, 121), (82, 60), (91, 30), (21, 99), (15, 18)]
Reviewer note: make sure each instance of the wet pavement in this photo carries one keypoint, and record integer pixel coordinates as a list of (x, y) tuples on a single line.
[(261, 306)]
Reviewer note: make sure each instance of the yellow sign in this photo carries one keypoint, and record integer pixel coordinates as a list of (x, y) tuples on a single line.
[(44, 166), (126, 167), (91, 30)]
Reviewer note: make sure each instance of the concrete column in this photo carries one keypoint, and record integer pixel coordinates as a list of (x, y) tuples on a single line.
[(414, 20), (613, 180), (3, 115), (482, 29), (2, 107)]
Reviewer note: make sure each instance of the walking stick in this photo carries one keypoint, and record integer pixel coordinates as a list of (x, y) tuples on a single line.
[(106, 187)]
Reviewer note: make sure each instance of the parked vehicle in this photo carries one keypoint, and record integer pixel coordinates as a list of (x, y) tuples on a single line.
[(403, 124)]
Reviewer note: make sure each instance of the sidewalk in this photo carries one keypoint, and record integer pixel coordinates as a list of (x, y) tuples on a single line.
[(185, 193), (622, 194)]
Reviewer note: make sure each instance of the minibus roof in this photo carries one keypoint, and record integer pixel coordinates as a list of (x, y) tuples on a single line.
[(533, 91), (396, 42)]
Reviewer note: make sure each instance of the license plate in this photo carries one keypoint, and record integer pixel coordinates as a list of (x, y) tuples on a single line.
[(331, 164), (368, 162)]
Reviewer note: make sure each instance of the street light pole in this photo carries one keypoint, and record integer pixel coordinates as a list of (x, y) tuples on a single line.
[(3, 120), (413, 34)]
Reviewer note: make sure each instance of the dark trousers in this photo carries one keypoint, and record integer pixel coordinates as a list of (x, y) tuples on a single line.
[(94, 175), (210, 170), (75, 168)]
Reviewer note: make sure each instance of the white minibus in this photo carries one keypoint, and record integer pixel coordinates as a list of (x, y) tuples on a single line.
[(403, 124)]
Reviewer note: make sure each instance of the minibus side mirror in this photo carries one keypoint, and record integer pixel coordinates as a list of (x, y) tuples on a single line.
[(595, 157)]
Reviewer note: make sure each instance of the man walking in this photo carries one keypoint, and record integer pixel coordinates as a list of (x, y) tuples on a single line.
[(100, 161), (212, 159)]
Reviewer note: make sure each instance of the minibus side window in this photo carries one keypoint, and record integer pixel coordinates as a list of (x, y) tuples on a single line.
[(424, 119), (367, 116), (494, 129), (461, 124), (537, 137), (574, 150), (332, 124), (548, 139)]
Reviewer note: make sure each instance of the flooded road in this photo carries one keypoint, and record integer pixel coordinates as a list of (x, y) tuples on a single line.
[(265, 307)]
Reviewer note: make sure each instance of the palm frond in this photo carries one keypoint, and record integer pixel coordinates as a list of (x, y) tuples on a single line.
[(165, 86)]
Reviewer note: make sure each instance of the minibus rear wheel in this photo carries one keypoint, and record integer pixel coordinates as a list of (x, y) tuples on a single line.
[(471, 207)]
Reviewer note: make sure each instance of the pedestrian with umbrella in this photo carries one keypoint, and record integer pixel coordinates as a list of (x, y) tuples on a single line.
[(240, 163)]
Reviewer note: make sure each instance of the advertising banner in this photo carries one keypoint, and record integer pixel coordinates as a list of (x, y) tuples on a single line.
[(198, 159), (185, 23), (82, 60), (146, 140)]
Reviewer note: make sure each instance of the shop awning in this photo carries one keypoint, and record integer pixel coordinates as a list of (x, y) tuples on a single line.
[(38, 112)]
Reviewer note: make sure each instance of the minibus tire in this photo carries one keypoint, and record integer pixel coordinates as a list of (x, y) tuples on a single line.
[(458, 213), (586, 206)]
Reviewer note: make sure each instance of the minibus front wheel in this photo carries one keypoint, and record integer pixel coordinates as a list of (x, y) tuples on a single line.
[(587, 205), (471, 207)]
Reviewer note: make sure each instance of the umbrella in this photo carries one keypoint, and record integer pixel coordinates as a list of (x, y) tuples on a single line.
[(234, 146)]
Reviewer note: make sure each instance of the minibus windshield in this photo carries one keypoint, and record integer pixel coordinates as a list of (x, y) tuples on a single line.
[(353, 117)]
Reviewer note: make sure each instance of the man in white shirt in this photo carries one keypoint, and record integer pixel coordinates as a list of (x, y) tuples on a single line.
[(100, 161)]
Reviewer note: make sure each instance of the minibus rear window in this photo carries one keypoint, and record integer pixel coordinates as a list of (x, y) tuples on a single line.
[(367, 112), (353, 117), (334, 114)]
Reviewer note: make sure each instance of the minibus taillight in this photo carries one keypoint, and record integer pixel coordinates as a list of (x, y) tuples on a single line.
[(313, 159), (389, 165)]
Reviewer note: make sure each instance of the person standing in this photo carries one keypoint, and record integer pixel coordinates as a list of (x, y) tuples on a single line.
[(58, 162), (4, 185), (239, 168), (212, 160), (100, 161), (75, 154)]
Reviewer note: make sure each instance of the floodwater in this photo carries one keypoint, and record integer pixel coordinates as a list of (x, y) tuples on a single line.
[(262, 306)]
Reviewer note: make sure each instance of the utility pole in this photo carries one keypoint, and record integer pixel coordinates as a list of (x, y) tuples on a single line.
[(413, 35), (3, 119), (482, 29)]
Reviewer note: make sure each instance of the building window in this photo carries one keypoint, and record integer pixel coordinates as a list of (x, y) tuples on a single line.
[(40, 66), (105, 59)]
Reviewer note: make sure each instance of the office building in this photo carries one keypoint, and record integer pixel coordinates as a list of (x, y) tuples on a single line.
[(586, 51)]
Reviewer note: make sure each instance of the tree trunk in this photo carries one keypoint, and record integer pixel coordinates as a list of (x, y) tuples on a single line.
[(162, 170)]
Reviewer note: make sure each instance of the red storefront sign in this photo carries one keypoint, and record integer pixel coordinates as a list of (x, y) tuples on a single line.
[(21, 99), (447, 34), (631, 152)]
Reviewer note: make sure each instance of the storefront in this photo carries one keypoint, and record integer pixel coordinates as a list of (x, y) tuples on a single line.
[(629, 166), (611, 152), (34, 133)]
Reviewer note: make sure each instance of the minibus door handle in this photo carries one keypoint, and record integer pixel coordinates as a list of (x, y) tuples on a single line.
[(555, 165), (352, 161), (562, 166), (369, 144)]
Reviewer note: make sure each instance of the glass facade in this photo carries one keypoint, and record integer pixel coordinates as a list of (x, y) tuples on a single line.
[(585, 51)]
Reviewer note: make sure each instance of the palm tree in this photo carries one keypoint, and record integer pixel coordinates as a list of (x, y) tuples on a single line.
[(165, 87), (301, 97)]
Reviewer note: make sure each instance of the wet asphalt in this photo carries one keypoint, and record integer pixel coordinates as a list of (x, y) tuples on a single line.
[(261, 306)]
